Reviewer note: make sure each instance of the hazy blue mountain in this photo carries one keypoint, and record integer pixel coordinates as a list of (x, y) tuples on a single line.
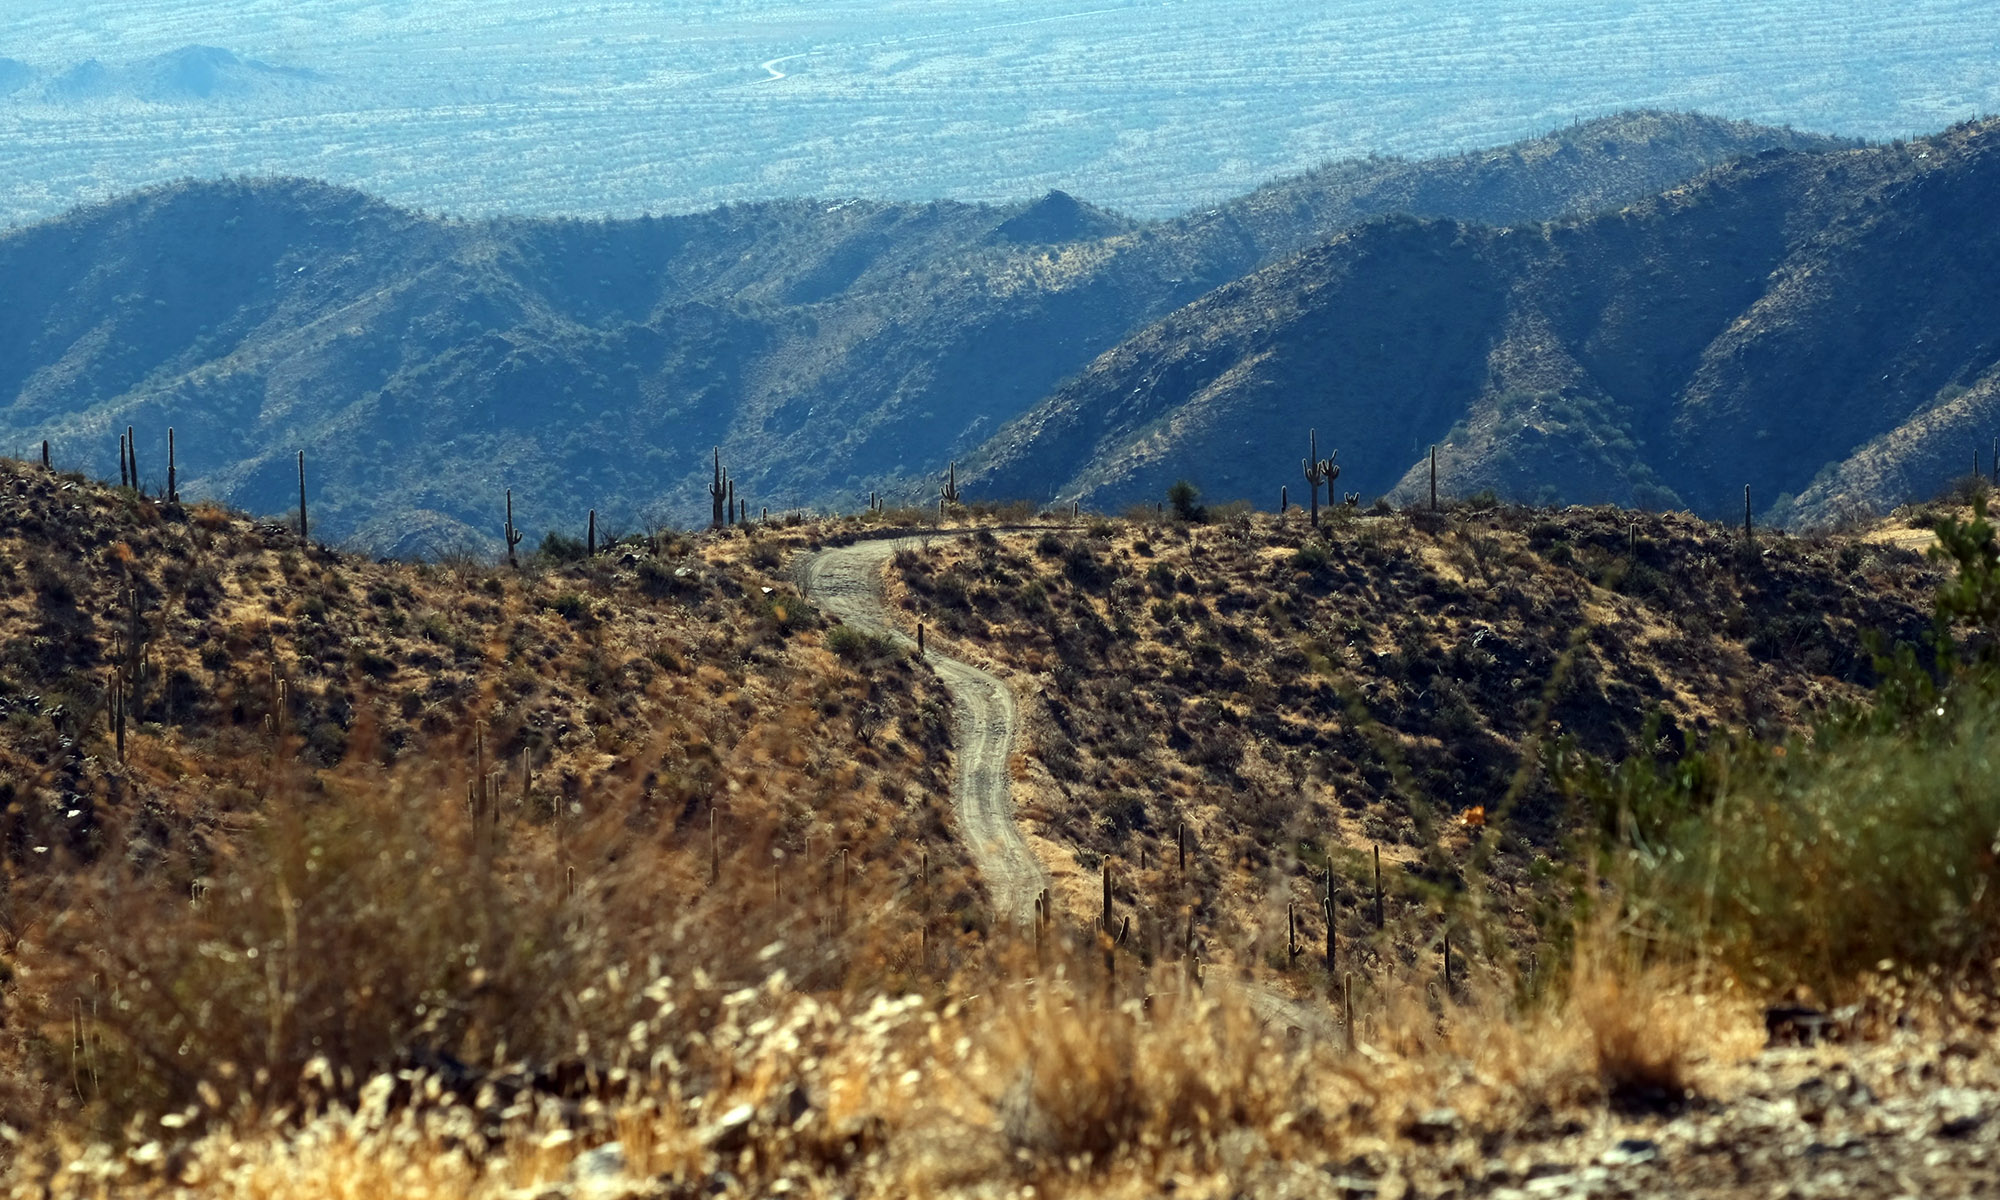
[(14, 75), (830, 348), (1815, 326), (187, 75)]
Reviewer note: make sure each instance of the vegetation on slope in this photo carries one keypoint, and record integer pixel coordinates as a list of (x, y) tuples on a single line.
[(1291, 698), (375, 977), (422, 796)]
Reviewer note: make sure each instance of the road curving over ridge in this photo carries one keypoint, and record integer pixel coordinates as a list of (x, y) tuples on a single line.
[(846, 581)]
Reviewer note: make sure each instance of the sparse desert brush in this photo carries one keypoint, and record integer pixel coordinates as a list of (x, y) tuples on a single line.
[(410, 917), (1814, 862), (1820, 860), (1003, 1075)]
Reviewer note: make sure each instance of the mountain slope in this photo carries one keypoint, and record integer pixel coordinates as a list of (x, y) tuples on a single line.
[(830, 349), (1811, 325)]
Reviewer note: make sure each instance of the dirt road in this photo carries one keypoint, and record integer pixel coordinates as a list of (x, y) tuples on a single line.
[(847, 582)]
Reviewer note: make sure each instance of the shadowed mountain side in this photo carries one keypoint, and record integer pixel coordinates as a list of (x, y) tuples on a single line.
[(1803, 324), (829, 348)]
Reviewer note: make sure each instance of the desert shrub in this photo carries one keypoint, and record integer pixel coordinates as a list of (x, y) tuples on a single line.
[(857, 648), (556, 548), (1185, 499), (1084, 568), (372, 663), (1814, 860), (1311, 557), (950, 591), (782, 614), (660, 580)]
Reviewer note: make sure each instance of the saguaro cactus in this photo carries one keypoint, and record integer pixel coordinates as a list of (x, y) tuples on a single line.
[(1319, 471), (512, 534), (173, 473), (949, 492), (718, 492), (1378, 887), (590, 539), (1332, 925)]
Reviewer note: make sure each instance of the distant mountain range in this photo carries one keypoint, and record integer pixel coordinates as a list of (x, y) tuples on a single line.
[(831, 348), (186, 75), (1819, 327)]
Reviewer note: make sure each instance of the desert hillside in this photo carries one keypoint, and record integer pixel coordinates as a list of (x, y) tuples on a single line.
[(626, 871)]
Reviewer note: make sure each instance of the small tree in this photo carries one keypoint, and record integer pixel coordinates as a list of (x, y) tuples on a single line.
[(1185, 498)]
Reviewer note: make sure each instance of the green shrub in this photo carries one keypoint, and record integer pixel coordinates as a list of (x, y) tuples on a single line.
[(1185, 499), (857, 648), (556, 548), (1815, 861)]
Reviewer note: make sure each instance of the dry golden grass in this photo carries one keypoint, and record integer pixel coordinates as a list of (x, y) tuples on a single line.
[(864, 1092)]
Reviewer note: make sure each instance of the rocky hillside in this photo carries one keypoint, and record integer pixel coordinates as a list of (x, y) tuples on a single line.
[(160, 657), (830, 348), (1813, 326), (629, 875), (1291, 698)]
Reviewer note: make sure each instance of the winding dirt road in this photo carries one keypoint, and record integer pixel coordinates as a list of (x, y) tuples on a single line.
[(847, 582)]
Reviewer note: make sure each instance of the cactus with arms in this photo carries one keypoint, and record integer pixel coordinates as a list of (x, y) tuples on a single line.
[(718, 492), (1320, 471)]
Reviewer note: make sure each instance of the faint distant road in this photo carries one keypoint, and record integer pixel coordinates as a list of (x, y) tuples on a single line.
[(771, 65)]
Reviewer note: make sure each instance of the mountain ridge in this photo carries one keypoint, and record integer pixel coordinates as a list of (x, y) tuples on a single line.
[(831, 349), (1643, 356)]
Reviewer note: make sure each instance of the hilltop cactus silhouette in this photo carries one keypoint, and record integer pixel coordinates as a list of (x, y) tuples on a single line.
[(1319, 471)]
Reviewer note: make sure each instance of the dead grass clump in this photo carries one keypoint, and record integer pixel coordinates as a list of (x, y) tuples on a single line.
[(1644, 1040)]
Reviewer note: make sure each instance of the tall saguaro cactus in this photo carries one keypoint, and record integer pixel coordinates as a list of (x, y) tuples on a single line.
[(1320, 471), (173, 473), (513, 534), (718, 493), (949, 492)]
